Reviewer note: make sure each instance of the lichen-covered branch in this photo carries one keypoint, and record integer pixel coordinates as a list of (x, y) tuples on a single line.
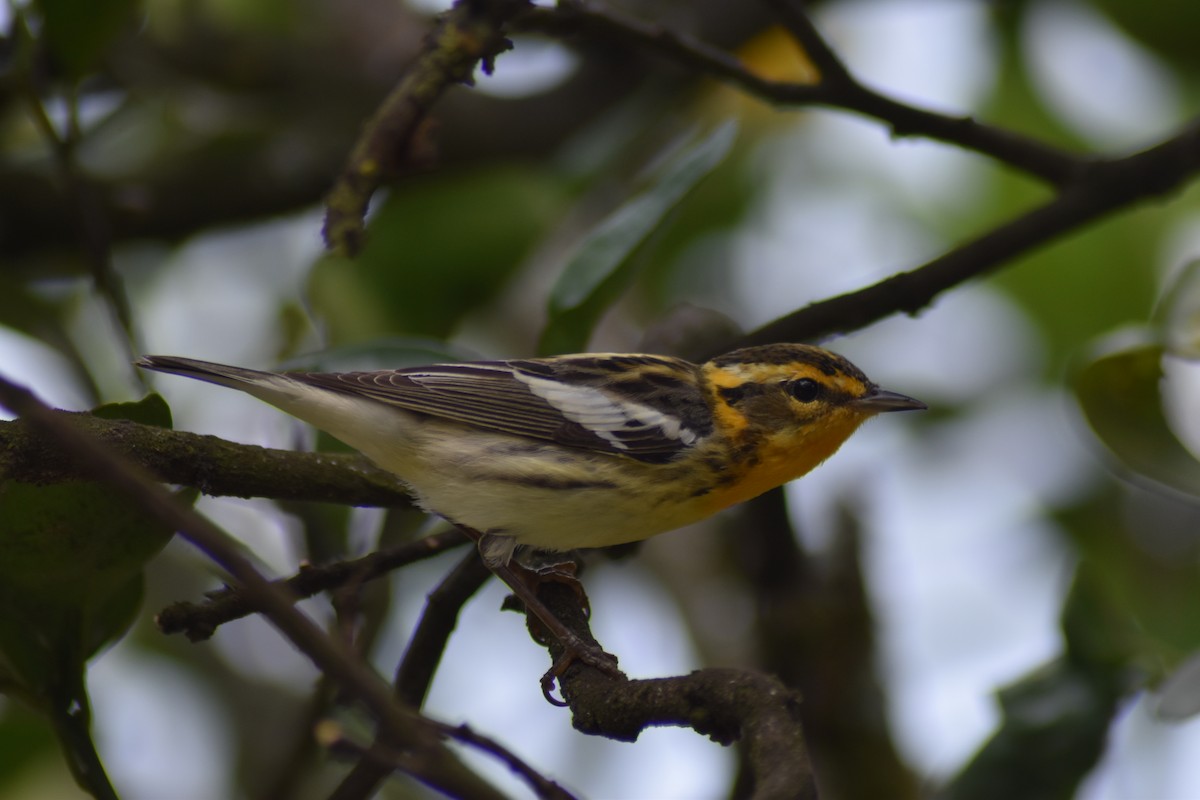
[(212, 465)]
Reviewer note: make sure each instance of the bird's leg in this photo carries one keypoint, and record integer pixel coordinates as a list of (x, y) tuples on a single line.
[(564, 573), (524, 583)]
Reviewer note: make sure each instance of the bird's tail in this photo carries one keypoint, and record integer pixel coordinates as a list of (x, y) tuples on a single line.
[(221, 374)]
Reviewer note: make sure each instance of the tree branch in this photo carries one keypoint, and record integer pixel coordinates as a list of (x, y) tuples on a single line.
[(198, 621), (425, 756), (387, 759), (837, 87), (1103, 188), (470, 32), (212, 465), (727, 705)]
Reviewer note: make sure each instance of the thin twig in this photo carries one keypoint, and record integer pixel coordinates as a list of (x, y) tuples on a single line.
[(542, 786), (198, 621), (421, 659), (469, 33), (415, 673), (1106, 187), (425, 756), (837, 89), (386, 759)]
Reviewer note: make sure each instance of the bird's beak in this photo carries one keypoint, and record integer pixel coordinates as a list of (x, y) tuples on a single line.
[(878, 400)]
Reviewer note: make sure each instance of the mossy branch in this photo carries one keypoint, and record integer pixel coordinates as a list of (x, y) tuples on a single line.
[(214, 466)]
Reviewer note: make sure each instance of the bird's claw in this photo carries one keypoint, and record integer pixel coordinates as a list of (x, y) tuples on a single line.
[(590, 655)]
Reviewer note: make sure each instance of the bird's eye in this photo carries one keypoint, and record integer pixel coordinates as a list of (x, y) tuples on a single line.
[(805, 390)]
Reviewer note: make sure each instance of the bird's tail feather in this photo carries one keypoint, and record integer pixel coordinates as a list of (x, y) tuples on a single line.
[(221, 374)]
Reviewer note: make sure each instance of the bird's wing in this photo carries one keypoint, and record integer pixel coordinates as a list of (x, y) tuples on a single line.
[(650, 408)]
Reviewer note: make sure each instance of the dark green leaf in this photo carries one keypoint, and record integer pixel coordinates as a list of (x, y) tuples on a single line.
[(71, 559), (1055, 721), (603, 265), (150, 410), (437, 248), (1120, 396)]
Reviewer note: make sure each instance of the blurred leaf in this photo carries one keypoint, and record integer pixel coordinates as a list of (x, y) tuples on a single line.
[(24, 740), (1055, 724), (71, 559), (1110, 260), (26, 311), (1136, 598), (438, 248), (1120, 396), (150, 410), (78, 32), (1055, 720), (1178, 315), (602, 266)]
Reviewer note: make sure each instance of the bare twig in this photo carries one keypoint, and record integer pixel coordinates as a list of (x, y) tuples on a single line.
[(428, 642), (1105, 187), (386, 759), (425, 756), (198, 621), (837, 88), (420, 661), (470, 32), (542, 786)]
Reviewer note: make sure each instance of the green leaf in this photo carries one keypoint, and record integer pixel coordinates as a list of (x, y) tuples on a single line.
[(71, 559), (1055, 720), (150, 410), (603, 266), (1121, 399), (1135, 602), (437, 248)]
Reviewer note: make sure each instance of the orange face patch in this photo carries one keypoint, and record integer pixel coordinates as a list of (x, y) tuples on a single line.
[(782, 458)]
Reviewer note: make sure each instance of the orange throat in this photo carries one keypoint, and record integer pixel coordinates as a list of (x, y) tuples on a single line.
[(782, 459)]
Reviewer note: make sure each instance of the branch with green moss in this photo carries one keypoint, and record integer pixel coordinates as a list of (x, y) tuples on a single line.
[(212, 465)]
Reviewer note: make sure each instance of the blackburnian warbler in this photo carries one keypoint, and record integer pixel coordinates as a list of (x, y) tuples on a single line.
[(581, 450)]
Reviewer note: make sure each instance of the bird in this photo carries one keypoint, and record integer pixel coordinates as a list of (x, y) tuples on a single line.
[(584, 450)]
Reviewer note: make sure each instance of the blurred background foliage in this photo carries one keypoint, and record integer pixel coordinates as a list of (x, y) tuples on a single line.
[(997, 600)]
